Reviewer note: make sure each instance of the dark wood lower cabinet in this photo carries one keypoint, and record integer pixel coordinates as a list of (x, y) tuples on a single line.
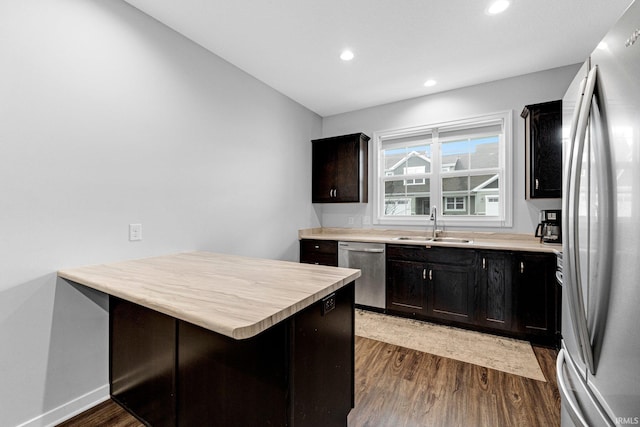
[(535, 287), (319, 252), (495, 296), (323, 363), (510, 293), (230, 382), (406, 287), (431, 283), (297, 373), (142, 361), (452, 291)]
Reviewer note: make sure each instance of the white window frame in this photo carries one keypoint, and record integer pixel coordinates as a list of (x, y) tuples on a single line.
[(412, 170), (455, 202), (505, 171)]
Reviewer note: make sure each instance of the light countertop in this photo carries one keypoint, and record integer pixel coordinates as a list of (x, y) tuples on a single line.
[(232, 295), (479, 240)]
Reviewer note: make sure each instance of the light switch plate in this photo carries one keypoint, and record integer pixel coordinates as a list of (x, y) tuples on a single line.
[(135, 232)]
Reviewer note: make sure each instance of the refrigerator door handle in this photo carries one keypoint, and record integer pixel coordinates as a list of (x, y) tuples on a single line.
[(576, 300), (606, 205), (571, 225), (565, 395)]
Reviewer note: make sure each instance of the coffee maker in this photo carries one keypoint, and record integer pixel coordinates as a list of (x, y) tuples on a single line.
[(550, 228)]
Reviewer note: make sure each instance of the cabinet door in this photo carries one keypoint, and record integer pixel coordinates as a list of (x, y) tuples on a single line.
[(535, 287), (543, 139), (340, 169), (323, 170), (406, 287), (319, 252), (347, 178), (495, 301), (451, 292)]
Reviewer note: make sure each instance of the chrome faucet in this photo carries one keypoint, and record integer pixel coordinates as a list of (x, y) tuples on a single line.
[(434, 218)]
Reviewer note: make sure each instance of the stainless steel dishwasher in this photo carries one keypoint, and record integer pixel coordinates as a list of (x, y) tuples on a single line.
[(369, 258)]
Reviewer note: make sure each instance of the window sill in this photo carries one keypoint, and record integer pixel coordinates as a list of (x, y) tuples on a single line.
[(446, 222)]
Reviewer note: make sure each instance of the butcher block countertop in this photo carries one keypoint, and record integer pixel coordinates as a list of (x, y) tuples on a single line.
[(479, 240), (232, 295)]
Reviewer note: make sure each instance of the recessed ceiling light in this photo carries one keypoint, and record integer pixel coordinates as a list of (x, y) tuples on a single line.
[(603, 46), (346, 55), (430, 83), (498, 6)]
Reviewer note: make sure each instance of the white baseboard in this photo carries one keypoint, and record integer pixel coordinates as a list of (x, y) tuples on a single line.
[(69, 409)]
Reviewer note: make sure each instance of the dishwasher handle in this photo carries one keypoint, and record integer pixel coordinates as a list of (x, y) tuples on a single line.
[(375, 251)]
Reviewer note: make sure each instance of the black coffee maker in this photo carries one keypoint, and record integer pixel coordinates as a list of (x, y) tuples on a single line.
[(550, 228)]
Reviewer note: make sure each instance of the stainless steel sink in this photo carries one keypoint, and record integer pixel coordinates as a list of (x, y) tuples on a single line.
[(450, 240), (437, 239), (415, 238)]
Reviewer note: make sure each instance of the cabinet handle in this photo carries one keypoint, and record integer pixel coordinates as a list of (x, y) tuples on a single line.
[(430, 274), (335, 192), (317, 247), (521, 267), (424, 273), (484, 263), (537, 184)]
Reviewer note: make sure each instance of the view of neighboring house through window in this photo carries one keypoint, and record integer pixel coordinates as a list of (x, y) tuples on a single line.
[(459, 167)]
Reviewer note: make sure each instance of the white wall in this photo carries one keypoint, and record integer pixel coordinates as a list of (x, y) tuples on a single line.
[(109, 118), (509, 94)]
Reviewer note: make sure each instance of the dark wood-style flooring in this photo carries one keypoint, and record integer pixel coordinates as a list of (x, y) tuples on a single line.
[(396, 386)]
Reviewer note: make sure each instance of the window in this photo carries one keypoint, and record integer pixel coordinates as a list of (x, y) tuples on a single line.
[(455, 204), (412, 170), (460, 167)]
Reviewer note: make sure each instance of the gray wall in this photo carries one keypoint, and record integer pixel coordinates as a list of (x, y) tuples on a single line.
[(509, 94), (109, 118)]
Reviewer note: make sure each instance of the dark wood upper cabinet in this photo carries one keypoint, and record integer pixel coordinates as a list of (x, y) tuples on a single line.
[(340, 169), (543, 150)]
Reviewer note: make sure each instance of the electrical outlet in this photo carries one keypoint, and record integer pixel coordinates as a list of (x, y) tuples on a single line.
[(135, 232), (366, 220), (328, 303), (350, 220)]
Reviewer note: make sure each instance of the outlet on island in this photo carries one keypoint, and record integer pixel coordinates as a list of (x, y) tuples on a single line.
[(328, 303)]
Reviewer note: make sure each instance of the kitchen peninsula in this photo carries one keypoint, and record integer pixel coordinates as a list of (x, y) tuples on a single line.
[(200, 338)]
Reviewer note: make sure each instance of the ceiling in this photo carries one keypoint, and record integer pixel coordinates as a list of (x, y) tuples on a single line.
[(294, 45)]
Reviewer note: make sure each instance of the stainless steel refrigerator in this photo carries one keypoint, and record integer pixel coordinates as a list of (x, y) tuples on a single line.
[(598, 366)]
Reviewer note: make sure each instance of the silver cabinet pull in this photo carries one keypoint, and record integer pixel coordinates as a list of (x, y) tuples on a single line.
[(424, 273), (537, 184), (484, 263), (430, 274), (521, 267)]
